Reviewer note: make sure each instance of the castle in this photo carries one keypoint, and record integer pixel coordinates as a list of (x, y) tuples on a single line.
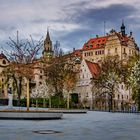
[(88, 57)]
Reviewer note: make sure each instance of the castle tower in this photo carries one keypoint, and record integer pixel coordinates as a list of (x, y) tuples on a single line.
[(123, 29), (47, 52)]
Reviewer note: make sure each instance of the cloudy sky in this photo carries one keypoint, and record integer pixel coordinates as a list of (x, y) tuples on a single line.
[(72, 22)]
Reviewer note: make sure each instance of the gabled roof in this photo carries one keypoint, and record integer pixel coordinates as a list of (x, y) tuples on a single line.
[(95, 43), (93, 67)]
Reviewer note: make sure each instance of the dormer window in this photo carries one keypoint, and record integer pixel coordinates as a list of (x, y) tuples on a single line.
[(3, 62), (90, 46)]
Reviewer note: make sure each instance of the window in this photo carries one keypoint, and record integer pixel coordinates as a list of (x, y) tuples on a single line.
[(40, 77), (3, 62), (118, 96), (102, 51), (124, 51), (129, 51), (122, 87), (115, 50), (96, 53), (122, 96), (108, 51), (90, 46), (86, 94)]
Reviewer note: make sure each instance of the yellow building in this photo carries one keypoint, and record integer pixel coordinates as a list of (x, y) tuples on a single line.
[(95, 50), (114, 43)]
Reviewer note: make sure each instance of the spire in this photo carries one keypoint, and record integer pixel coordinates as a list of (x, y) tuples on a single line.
[(123, 28), (48, 34)]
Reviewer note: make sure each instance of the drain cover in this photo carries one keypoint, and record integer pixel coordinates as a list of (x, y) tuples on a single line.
[(46, 132)]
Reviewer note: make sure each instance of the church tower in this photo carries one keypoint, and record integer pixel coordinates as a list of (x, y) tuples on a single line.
[(123, 29), (48, 51)]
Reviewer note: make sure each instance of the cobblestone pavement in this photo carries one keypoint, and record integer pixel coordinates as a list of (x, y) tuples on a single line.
[(90, 126)]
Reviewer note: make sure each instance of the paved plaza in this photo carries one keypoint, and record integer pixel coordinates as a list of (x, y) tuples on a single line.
[(90, 126)]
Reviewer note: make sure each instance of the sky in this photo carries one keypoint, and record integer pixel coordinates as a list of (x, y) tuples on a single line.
[(71, 22)]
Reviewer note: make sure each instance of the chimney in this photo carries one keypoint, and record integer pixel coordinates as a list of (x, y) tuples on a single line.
[(131, 33), (97, 36)]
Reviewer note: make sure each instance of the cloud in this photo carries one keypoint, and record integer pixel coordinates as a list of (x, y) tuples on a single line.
[(92, 15), (70, 22)]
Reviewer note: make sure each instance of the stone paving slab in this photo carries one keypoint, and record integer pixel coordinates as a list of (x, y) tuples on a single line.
[(90, 126)]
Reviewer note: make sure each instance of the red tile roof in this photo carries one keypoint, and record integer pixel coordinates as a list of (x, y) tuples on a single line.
[(95, 43), (78, 52), (94, 68)]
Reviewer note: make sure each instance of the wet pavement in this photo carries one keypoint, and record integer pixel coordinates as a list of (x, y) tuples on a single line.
[(90, 126)]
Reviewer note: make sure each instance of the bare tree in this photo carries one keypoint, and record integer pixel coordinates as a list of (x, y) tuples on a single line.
[(21, 53)]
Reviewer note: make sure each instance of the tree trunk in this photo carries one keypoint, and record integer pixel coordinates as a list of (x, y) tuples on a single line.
[(28, 95), (19, 90), (68, 101), (44, 103), (139, 100), (50, 102), (110, 102), (36, 103)]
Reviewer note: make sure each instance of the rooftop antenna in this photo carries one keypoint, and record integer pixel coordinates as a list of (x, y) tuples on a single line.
[(104, 28)]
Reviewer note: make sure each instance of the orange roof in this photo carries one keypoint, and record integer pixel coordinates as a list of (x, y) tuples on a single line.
[(95, 43), (93, 67), (78, 52)]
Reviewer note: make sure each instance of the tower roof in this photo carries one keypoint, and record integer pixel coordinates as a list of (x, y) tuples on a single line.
[(48, 35)]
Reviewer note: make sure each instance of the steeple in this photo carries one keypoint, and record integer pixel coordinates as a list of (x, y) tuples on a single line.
[(47, 46), (123, 28), (48, 35)]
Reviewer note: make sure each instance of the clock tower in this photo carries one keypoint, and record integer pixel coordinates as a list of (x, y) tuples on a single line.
[(47, 52)]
